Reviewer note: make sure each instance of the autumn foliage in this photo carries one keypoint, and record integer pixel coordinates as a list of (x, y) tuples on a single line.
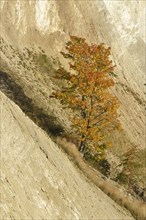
[(86, 92)]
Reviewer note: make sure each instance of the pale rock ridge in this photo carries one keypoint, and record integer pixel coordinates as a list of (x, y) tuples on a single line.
[(47, 21), (129, 19)]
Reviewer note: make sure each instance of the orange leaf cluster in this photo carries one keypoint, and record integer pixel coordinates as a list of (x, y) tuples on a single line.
[(86, 90)]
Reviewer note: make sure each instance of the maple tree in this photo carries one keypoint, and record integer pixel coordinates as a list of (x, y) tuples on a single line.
[(86, 92)]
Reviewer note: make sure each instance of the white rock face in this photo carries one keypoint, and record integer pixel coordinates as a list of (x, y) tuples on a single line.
[(129, 19), (119, 24), (47, 19), (38, 181)]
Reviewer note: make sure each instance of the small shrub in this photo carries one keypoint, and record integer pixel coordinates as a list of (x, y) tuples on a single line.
[(132, 163)]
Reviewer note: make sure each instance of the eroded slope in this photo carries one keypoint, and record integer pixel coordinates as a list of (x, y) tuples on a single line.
[(38, 181)]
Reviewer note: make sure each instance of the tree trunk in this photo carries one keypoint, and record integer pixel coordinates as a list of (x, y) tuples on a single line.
[(82, 146)]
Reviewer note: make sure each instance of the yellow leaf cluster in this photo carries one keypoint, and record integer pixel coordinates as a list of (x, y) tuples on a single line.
[(87, 91)]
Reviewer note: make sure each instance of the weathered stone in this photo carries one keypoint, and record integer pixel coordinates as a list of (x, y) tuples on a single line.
[(34, 186)]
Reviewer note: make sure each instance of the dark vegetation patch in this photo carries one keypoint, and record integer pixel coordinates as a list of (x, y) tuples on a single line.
[(102, 165), (12, 90), (132, 174)]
